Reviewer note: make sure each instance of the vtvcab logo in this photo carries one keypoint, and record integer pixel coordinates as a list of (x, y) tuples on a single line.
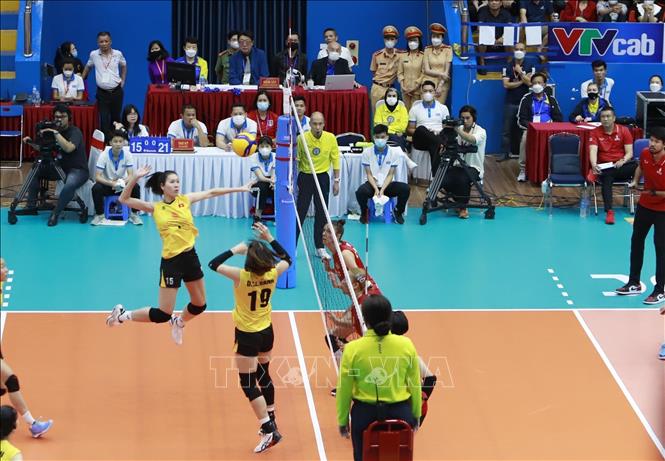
[(588, 39)]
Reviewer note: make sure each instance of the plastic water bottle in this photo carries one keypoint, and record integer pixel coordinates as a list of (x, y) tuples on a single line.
[(203, 81), (584, 204), (36, 98)]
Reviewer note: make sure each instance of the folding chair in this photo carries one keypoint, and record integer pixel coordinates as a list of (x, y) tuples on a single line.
[(13, 112), (389, 440), (348, 139), (564, 165)]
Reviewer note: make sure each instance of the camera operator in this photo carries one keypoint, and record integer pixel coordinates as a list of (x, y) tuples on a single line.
[(68, 143), (457, 182)]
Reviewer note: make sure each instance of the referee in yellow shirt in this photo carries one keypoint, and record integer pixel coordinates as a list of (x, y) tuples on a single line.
[(380, 372), (325, 152)]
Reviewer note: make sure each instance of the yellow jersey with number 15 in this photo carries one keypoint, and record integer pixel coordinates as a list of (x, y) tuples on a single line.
[(175, 226), (252, 295)]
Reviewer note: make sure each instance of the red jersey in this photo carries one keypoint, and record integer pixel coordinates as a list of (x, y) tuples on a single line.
[(267, 127), (654, 178), (610, 146), (359, 262)]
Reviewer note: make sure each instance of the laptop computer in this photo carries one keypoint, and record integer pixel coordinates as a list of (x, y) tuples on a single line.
[(340, 82)]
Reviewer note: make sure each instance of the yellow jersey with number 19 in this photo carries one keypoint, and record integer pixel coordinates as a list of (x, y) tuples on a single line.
[(252, 295), (175, 226)]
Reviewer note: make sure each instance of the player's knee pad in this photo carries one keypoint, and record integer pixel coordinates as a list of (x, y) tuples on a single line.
[(12, 384), (196, 310), (249, 387), (263, 374), (158, 315)]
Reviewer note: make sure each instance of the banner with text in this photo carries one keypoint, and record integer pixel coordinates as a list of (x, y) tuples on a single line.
[(611, 42)]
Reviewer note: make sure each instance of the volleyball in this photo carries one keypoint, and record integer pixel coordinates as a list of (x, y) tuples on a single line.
[(244, 144)]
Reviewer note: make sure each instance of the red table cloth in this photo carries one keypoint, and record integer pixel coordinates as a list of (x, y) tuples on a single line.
[(344, 111)]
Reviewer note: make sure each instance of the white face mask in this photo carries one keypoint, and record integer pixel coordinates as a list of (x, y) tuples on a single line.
[(238, 120), (234, 44), (75, 53), (428, 97), (262, 105), (537, 88), (437, 41), (390, 43), (391, 100), (333, 56), (655, 87), (190, 52), (68, 73), (413, 45), (380, 142), (265, 151), (519, 54)]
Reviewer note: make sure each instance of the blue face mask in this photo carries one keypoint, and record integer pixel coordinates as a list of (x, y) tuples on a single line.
[(380, 142)]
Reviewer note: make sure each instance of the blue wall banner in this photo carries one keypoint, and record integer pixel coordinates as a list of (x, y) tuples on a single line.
[(611, 42)]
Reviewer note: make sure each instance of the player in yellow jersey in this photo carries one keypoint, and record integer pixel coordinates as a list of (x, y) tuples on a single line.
[(175, 224), (253, 287)]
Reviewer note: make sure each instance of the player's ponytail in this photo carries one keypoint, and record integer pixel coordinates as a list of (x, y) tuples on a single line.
[(377, 312), (157, 180)]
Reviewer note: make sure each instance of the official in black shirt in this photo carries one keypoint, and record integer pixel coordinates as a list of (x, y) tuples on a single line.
[(290, 57), (71, 150)]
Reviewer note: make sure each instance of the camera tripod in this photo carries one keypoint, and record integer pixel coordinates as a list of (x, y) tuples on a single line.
[(43, 170), (433, 202)]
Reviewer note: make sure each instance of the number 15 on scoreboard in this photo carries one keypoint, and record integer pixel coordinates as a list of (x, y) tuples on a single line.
[(150, 145)]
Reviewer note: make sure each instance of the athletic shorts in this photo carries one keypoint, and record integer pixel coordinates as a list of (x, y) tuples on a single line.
[(250, 344), (183, 267)]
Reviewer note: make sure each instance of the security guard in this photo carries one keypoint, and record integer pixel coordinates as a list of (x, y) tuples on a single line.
[(438, 58), (410, 68), (384, 65)]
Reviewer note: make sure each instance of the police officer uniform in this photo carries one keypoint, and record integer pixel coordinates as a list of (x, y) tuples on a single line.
[(410, 68), (384, 66), (439, 58), (222, 65)]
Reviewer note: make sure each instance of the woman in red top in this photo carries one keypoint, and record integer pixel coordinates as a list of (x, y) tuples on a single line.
[(266, 120), (579, 11), (650, 212)]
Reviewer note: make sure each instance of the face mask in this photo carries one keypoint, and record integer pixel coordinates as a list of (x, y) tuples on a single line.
[(190, 52), (68, 73), (380, 142), (265, 151), (593, 96), (390, 43), (413, 45), (294, 46), (262, 105), (75, 53), (519, 54), (537, 88), (391, 101), (333, 56), (155, 55), (437, 41), (655, 87), (234, 44), (614, 16), (428, 97), (238, 120)]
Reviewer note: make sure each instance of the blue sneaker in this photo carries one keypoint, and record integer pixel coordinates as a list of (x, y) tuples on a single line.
[(661, 355), (39, 428)]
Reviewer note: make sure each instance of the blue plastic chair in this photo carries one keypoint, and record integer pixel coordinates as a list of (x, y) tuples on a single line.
[(13, 112), (387, 210), (564, 165), (113, 209)]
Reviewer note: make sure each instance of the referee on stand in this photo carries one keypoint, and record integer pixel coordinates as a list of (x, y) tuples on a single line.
[(380, 372), (325, 152)]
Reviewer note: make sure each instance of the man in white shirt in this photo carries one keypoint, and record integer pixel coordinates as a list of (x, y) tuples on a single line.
[(605, 84), (330, 36), (110, 74), (380, 163), (229, 128), (188, 127), (67, 86)]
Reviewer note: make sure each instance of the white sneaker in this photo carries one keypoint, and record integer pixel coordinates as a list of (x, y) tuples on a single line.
[(113, 319), (322, 253), (522, 176), (267, 441), (177, 326), (135, 219), (98, 219)]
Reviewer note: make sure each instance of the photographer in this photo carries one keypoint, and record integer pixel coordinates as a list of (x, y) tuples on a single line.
[(67, 141), (457, 181)]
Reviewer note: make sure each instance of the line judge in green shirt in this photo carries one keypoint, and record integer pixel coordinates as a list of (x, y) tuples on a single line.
[(380, 372), (325, 153)]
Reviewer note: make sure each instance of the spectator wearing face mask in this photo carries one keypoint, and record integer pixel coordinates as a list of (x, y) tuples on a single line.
[(291, 60), (266, 120), (384, 65), (250, 64), (656, 83), (436, 63), (394, 115), (263, 167), (617, 12), (222, 64), (410, 66), (67, 86), (191, 47), (330, 36), (332, 64), (229, 128), (603, 7), (158, 56), (67, 51), (589, 108)]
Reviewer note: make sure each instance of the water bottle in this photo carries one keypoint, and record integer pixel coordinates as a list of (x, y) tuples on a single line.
[(203, 81), (584, 204), (36, 98)]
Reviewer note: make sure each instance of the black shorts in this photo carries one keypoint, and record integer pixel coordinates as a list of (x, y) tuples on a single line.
[(250, 344), (183, 267)]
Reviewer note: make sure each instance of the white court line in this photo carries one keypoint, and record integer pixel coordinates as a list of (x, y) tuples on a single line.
[(3, 319), (620, 383), (308, 389)]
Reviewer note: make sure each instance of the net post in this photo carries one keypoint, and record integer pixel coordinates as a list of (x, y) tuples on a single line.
[(285, 219)]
